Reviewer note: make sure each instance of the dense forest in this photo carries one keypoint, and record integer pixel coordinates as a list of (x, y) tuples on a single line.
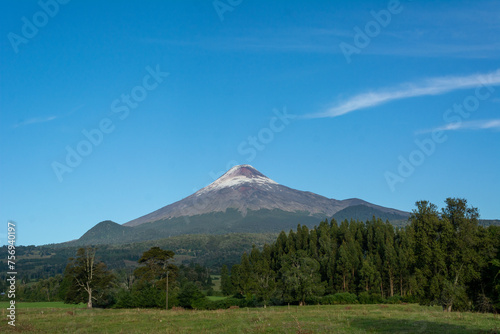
[(442, 257)]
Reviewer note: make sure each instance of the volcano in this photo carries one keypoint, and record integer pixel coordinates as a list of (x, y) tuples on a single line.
[(243, 189)]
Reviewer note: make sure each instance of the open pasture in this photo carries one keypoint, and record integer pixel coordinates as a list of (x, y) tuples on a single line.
[(409, 318)]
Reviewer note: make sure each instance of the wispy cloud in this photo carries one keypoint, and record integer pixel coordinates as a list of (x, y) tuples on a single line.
[(35, 120), (432, 86), (44, 119), (486, 124)]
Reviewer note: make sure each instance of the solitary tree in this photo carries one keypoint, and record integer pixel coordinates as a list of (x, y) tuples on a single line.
[(155, 266), (157, 269), (88, 279)]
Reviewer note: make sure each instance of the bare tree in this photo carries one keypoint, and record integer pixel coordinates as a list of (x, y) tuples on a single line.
[(89, 279)]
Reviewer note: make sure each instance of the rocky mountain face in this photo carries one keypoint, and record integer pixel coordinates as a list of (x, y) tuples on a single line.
[(245, 189)]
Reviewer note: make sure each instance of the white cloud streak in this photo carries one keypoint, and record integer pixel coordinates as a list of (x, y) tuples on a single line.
[(35, 120), (44, 119), (433, 86), (487, 124)]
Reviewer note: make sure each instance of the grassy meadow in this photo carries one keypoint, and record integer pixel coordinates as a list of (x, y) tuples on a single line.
[(56, 318)]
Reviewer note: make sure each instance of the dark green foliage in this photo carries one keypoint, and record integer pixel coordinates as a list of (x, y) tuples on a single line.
[(363, 212), (144, 295), (194, 272), (212, 251), (44, 290), (230, 221), (339, 298), (441, 258), (370, 298), (226, 285), (189, 295), (300, 278), (88, 280), (105, 232), (125, 299), (205, 304), (156, 266), (394, 300), (149, 289)]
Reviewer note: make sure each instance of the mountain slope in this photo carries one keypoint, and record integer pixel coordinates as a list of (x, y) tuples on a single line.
[(243, 200), (244, 188)]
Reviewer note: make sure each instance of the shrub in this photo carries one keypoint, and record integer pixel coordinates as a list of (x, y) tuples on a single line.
[(409, 299), (339, 298), (189, 294), (201, 304), (394, 300), (147, 296), (370, 298), (238, 296), (313, 300), (124, 299)]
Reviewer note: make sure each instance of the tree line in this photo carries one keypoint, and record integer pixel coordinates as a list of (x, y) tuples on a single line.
[(88, 280), (212, 251), (443, 257)]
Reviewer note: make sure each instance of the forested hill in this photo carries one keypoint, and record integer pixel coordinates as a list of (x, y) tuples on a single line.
[(229, 221), (442, 257), (36, 262)]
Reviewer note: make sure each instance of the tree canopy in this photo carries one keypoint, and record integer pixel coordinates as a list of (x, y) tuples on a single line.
[(441, 258), (87, 280)]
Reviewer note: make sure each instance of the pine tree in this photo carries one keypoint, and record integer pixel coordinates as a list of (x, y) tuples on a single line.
[(156, 266), (225, 281), (463, 259), (344, 266), (264, 277), (370, 276), (390, 259)]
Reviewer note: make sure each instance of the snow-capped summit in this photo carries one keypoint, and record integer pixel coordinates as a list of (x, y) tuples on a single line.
[(238, 176)]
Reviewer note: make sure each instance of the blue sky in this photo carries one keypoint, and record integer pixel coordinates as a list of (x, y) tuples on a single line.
[(387, 101)]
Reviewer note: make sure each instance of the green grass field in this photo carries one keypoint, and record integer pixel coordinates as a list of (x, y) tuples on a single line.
[(21, 306), (51, 318)]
